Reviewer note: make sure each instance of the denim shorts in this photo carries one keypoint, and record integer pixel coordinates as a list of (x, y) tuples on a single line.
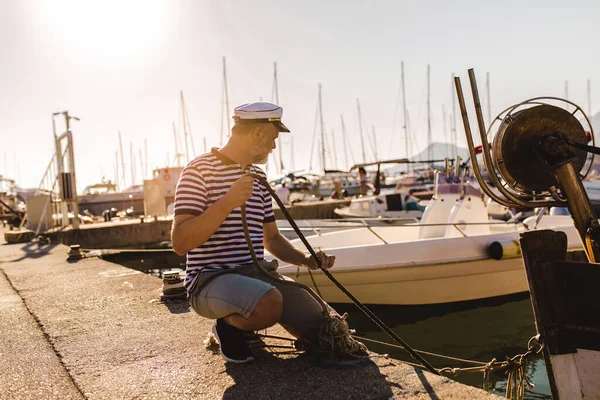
[(239, 292)]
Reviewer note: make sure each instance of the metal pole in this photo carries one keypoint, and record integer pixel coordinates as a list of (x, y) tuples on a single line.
[(578, 204), (471, 146), (75, 199)]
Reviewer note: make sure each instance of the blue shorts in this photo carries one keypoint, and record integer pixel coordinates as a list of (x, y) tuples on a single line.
[(239, 293)]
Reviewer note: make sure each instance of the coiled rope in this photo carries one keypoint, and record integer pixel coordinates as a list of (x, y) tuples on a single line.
[(333, 335)]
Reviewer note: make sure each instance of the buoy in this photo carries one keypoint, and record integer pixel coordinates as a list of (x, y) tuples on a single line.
[(504, 249)]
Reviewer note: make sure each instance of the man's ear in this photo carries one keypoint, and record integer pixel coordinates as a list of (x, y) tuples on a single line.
[(256, 133)]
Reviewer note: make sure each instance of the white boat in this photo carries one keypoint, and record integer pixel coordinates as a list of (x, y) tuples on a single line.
[(105, 195), (447, 257)]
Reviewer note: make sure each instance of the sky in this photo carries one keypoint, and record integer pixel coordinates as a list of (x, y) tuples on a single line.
[(120, 66)]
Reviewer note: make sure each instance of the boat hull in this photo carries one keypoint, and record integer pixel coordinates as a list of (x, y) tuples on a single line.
[(422, 284), (387, 265)]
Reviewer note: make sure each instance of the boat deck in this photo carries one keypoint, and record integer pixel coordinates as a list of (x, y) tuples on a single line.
[(93, 329)]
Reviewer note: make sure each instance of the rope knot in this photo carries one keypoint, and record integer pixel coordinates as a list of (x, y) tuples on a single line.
[(336, 335)]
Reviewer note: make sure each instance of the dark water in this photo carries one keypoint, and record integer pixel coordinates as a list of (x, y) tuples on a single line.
[(481, 330)]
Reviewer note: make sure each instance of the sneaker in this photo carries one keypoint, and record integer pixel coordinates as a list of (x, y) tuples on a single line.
[(232, 342)]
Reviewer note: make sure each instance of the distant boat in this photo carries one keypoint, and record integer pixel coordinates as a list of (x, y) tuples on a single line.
[(385, 206), (105, 195)]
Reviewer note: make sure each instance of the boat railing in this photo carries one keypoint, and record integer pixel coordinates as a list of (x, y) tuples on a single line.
[(401, 223), (346, 223)]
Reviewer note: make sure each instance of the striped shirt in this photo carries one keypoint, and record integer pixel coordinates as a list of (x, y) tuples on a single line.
[(204, 181)]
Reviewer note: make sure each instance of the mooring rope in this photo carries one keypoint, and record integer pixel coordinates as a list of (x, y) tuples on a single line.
[(333, 332)]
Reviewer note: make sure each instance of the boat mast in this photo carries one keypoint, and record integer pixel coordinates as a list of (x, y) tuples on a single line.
[(375, 143), (122, 159), (116, 167), (177, 164), (322, 130), (225, 106), (404, 124), (362, 141), (335, 158), (132, 155), (314, 138), (429, 148), (344, 140), (454, 137), (275, 99), (146, 157), (185, 132), (445, 130)]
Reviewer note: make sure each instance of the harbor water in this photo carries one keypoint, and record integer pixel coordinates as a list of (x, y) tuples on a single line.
[(482, 330), (497, 328)]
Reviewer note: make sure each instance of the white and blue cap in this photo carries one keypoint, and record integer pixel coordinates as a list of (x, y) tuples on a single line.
[(259, 113)]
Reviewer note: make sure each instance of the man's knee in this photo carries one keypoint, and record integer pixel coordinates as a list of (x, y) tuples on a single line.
[(269, 308)]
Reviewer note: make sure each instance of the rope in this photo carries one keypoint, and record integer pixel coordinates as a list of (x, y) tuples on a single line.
[(332, 331)]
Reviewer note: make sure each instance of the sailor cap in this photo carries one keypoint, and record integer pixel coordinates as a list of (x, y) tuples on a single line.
[(259, 113)]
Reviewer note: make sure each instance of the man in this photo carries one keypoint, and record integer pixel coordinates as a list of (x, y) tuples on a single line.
[(283, 193), (221, 281)]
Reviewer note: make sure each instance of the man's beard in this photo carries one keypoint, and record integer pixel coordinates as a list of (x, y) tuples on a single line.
[(259, 157)]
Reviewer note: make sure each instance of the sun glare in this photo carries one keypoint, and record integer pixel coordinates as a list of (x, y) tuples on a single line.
[(108, 34)]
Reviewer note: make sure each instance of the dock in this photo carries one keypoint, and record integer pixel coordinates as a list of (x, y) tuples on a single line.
[(96, 330)]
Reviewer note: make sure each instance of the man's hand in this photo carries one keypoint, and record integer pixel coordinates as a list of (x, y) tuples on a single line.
[(240, 191), (326, 261)]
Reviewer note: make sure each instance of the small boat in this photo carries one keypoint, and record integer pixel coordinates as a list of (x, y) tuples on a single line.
[(105, 195)]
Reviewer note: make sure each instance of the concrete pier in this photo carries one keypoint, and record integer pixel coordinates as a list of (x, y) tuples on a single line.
[(97, 330)]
